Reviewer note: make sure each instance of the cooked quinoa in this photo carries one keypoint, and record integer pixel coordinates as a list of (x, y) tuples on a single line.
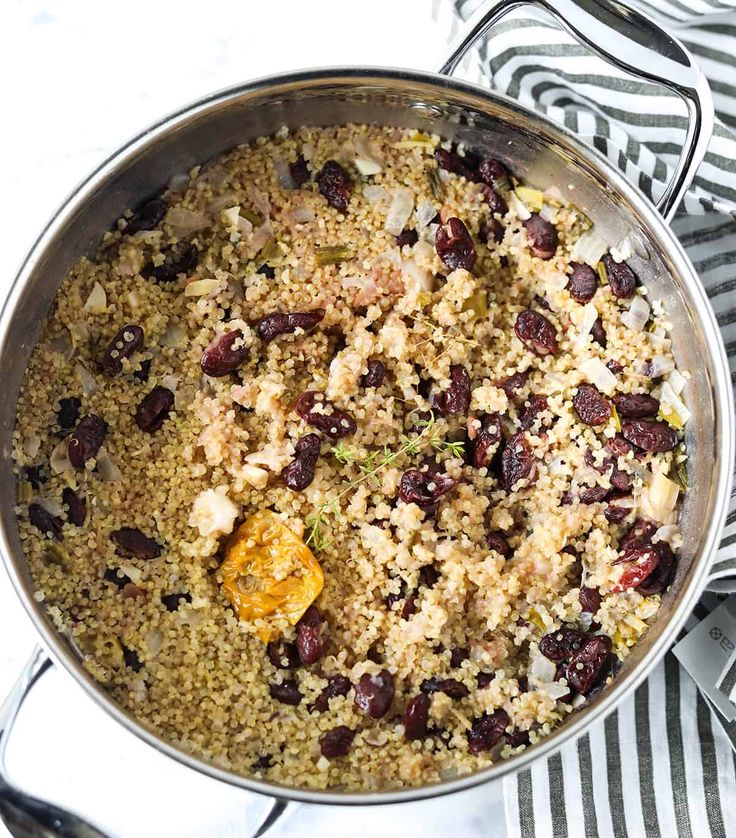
[(466, 476)]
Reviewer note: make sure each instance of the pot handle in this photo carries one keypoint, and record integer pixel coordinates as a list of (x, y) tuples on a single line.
[(633, 42)]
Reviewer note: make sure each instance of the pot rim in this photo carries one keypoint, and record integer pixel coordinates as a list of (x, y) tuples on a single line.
[(723, 400)]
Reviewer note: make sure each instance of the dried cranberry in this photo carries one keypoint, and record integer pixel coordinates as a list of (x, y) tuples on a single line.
[(517, 462), (592, 494), (454, 245), (335, 184), (44, 521), (660, 578), (591, 406), (299, 171), (487, 730), (497, 542), (67, 414), (614, 367), (517, 737), (35, 475), (618, 508), (620, 277), (133, 543), (534, 406), (620, 480), (87, 439), (410, 606), (451, 161), (416, 716), (300, 472), (490, 229), (375, 375), (283, 655), (428, 575), (153, 411), (309, 641), (76, 506), (336, 742), (449, 686), (494, 199), (143, 371), (641, 560), (492, 171), (458, 655), (618, 445), (111, 575), (315, 410), (636, 405), (274, 325), (536, 332), (287, 692), (542, 236), (583, 283), (590, 600), (454, 401), (484, 679), (641, 531), (171, 602), (222, 357), (655, 437), (127, 341), (180, 258), (374, 693), (425, 486), (267, 271), (337, 685), (131, 659), (588, 662), (483, 443), (147, 216), (561, 644), (407, 237), (598, 333), (513, 383)]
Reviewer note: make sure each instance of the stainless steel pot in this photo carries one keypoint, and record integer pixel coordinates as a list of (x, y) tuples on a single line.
[(542, 153)]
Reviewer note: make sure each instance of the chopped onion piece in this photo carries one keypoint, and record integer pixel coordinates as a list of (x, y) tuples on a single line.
[(671, 408), (597, 373), (62, 345), (667, 532), (660, 497), (32, 445), (375, 194), (184, 221), (555, 690), (423, 278), (584, 318), (86, 379), (659, 341), (107, 469), (399, 211), (541, 670), (548, 212), (260, 201), (283, 173), (622, 250), (59, 460), (51, 506), (366, 161), (174, 335), (261, 235), (556, 281), (178, 183), (531, 198), (202, 288), (518, 207), (589, 248), (97, 300), (554, 194), (367, 167), (79, 333), (660, 365), (636, 316), (677, 382), (170, 382), (231, 216), (425, 212), (299, 215)]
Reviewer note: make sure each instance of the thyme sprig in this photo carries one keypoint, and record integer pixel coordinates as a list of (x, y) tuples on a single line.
[(370, 465)]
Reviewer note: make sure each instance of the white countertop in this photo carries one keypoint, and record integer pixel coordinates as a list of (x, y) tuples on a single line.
[(80, 78)]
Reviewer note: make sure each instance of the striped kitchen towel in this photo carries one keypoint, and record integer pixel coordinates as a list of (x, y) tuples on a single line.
[(661, 765)]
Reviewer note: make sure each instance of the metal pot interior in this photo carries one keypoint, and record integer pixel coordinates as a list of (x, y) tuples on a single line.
[(537, 151)]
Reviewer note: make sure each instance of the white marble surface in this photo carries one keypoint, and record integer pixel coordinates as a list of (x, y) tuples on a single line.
[(79, 78)]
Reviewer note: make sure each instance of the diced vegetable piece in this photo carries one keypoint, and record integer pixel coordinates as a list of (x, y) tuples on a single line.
[(589, 248), (531, 198), (637, 314), (478, 303), (333, 255)]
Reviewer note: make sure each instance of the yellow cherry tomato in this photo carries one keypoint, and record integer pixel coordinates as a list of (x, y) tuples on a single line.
[(269, 574)]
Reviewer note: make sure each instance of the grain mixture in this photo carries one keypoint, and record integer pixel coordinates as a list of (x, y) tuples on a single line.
[(351, 461)]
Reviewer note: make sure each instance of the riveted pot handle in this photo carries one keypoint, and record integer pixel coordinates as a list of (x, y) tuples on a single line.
[(633, 42)]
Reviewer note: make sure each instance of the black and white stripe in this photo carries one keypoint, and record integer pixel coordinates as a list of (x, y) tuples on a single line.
[(663, 764)]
